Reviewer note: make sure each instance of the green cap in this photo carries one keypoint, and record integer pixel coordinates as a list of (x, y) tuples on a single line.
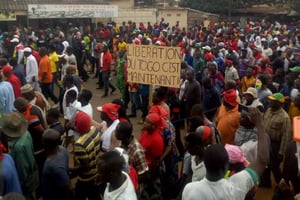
[(295, 69)]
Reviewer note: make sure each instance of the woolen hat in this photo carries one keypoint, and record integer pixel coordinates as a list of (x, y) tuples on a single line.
[(82, 122), (13, 124), (26, 88)]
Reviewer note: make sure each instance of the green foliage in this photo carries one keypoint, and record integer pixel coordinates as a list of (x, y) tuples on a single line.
[(224, 6), (214, 6)]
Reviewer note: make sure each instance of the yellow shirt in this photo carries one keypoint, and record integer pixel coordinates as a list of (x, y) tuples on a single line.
[(122, 46), (293, 111), (53, 60)]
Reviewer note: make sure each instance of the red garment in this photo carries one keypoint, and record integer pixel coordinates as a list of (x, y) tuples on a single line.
[(16, 84), (259, 70), (36, 55), (133, 177), (153, 145), (107, 60), (215, 77)]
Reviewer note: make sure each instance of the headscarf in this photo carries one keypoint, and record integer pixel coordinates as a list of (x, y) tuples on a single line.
[(236, 155)]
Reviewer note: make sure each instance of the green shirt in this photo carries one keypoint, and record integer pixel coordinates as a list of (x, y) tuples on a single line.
[(21, 149)]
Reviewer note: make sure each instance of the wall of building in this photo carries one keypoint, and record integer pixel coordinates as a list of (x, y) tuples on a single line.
[(136, 15), (173, 15), (198, 17)]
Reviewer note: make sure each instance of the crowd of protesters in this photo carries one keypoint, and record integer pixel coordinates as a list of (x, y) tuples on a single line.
[(218, 136)]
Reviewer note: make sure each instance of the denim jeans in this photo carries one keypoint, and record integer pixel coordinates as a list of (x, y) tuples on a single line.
[(133, 99), (106, 81)]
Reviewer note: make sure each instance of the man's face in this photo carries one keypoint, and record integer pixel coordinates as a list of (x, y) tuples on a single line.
[(275, 104)]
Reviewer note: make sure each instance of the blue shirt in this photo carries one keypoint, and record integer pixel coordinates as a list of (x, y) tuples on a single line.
[(55, 175), (7, 97), (10, 175), (20, 73)]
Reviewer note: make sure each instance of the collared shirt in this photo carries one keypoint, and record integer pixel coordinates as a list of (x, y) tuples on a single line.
[(231, 74), (21, 149), (136, 156), (31, 68), (88, 147), (278, 126)]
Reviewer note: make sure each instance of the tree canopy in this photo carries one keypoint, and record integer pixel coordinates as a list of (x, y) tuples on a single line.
[(226, 6)]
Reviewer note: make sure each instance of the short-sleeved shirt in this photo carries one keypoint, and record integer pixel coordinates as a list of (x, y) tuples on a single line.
[(53, 60), (88, 147), (45, 67), (235, 187), (154, 147), (137, 156), (55, 175), (106, 61), (231, 74), (36, 122)]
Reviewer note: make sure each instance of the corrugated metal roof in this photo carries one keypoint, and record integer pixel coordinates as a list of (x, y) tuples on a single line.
[(21, 5), (15, 5)]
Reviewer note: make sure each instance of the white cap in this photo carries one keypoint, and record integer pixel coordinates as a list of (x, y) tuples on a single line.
[(206, 48), (15, 40), (27, 49)]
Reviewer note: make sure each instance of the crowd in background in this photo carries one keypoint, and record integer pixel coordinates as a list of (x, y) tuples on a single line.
[(229, 125)]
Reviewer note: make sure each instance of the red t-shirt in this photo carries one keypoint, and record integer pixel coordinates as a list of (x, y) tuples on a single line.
[(16, 84), (107, 59), (153, 145)]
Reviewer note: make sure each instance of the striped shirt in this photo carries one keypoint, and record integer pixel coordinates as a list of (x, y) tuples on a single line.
[(278, 126), (88, 147)]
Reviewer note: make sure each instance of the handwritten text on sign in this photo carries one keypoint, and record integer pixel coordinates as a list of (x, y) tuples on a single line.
[(154, 65)]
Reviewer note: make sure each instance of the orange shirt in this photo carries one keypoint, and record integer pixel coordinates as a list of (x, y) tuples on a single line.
[(45, 66), (247, 82), (228, 122)]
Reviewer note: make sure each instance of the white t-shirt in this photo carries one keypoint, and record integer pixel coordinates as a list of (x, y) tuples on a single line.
[(235, 187), (124, 192), (199, 171), (87, 109)]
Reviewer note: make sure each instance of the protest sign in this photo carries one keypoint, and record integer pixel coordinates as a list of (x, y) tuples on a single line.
[(154, 65)]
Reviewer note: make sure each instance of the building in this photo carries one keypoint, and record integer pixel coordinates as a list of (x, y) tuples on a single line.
[(45, 13)]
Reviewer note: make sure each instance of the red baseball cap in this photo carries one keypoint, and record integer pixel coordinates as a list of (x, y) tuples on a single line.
[(7, 69), (111, 109)]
